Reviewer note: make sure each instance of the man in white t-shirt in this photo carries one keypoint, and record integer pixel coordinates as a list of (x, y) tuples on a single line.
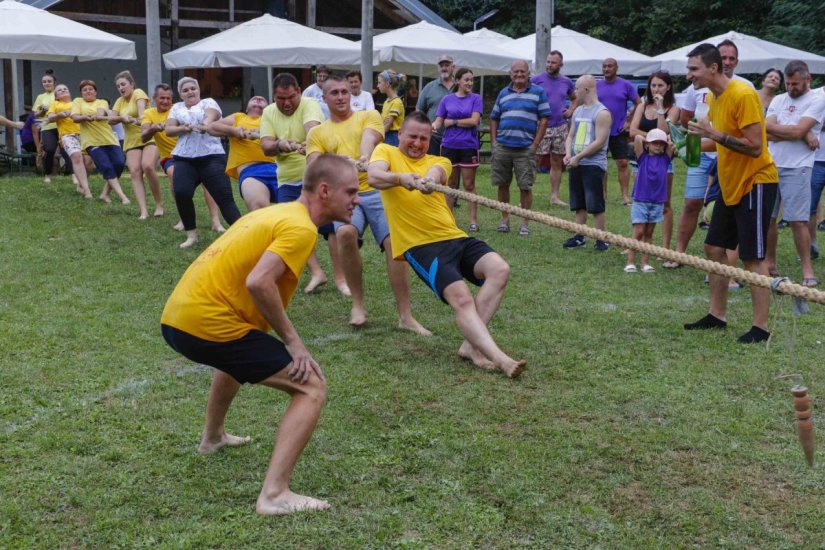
[(697, 178), (358, 98), (316, 91), (793, 123)]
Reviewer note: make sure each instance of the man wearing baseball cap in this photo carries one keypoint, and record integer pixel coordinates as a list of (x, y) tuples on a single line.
[(431, 96)]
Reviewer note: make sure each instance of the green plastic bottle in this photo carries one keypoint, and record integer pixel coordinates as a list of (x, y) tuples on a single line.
[(693, 146)]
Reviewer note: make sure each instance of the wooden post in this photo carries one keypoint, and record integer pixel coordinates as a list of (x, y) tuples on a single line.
[(366, 44), (174, 36), (544, 24), (153, 59), (8, 100)]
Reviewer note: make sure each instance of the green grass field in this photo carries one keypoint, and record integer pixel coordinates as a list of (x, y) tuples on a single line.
[(624, 431)]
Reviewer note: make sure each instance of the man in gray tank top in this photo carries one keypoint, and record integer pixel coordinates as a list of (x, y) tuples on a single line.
[(586, 158)]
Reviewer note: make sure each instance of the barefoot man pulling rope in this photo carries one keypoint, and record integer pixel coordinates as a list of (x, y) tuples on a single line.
[(425, 234), (222, 309)]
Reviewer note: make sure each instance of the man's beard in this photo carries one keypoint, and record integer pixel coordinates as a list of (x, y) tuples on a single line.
[(445, 76)]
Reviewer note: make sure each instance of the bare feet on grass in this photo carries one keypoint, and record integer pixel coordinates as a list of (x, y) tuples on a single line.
[(159, 211), (288, 503), (105, 198), (191, 238), (413, 325), (343, 288), (358, 317), (218, 228), (315, 282), (470, 353), (512, 368), (178, 226), (210, 445)]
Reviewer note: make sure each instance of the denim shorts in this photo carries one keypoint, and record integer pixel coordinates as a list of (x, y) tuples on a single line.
[(817, 183), (369, 212), (647, 212), (697, 178), (794, 194)]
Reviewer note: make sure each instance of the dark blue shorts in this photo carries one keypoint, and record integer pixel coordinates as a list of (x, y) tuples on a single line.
[(264, 172), (443, 263), (249, 360), (586, 188), (166, 164)]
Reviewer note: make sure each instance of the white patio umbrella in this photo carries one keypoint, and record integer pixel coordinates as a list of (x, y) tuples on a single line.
[(415, 48), (34, 34), (755, 55), (266, 41), (493, 38), (583, 54)]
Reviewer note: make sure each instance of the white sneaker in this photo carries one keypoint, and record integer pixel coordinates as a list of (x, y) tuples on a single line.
[(647, 268), (630, 268)]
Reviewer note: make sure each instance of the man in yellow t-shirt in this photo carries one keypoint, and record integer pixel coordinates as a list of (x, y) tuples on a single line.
[(284, 127), (354, 135), (154, 127), (224, 306), (748, 181), (256, 172), (425, 234)]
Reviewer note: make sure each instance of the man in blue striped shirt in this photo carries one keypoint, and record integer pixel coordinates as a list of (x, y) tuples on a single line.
[(517, 124)]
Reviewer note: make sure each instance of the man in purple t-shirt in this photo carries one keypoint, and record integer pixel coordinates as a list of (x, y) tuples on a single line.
[(557, 87), (615, 93)]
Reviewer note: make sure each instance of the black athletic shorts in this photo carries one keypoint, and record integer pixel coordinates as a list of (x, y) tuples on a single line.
[(465, 158), (445, 262), (619, 147), (745, 224), (586, 184), (249, 360)]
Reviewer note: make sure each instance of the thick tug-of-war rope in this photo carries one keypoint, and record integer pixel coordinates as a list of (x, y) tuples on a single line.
[(781, 285)]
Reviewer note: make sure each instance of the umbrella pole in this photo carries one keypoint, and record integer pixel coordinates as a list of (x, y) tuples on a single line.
[(269, 82), (15, 97), (420, 77), (481, 89)]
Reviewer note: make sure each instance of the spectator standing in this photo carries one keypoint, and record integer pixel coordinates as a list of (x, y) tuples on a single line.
[(558, 89), (460, 114), (793, 124), (615, 93), (316, 91), (432, 94), (517, 124), (586, 159)]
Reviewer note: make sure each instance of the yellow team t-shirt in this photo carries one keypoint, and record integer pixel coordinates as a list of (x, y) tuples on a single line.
[(165, 143), (274, 123), (393, 107), (244, 151), (739, 106), (211, 300), (65, 126), (344, 138), (129, 107), (97, 133), (46, 98), (415, 218)]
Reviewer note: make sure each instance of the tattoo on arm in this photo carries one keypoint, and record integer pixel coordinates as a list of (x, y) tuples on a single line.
[(737, 145)]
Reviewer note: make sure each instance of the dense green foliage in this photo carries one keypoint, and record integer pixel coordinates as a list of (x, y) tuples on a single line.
[(652, 27)]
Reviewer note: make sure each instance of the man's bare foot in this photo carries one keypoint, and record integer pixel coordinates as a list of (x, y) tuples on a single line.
[(125, 200), (216, 227), (105, 198), (191, 238), (558, 202), (288, 503), (512, 368), (469, 353), (178, 226), (209, 446), (343, 288), (315, 282), (47, 179), (144, 216), (88, 195), (413, 325), (159, 211), (358, 317)]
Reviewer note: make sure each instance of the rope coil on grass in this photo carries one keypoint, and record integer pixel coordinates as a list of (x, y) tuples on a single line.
[(781, 285)]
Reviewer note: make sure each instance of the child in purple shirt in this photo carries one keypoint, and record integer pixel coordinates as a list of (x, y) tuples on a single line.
[(650, 192)]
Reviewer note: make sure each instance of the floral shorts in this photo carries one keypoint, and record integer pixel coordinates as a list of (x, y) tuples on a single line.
[(553, 141)]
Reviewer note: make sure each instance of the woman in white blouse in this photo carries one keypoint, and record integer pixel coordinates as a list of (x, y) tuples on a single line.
[(198, 157)]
